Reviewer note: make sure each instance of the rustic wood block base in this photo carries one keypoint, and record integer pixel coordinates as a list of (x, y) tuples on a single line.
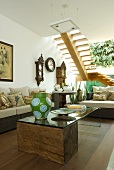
[(56, 144)]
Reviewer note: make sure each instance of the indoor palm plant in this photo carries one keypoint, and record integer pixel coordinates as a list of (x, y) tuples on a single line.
[(102, 53)]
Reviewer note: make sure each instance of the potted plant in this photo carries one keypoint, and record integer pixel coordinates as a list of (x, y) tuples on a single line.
[(102, 53)]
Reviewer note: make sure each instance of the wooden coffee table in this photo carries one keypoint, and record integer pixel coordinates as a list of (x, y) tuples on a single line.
[(56, 140)]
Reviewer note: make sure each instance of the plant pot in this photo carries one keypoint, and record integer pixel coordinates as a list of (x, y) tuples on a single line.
[(41, 105), (89, 96)]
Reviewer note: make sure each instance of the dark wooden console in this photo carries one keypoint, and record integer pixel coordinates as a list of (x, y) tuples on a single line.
[(59, 98)]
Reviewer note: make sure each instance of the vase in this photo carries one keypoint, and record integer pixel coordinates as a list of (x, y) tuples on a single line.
[(41, 105), (79, 94)]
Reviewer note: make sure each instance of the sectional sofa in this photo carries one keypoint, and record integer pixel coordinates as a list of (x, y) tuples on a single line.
[(14, 104), (9, 117)]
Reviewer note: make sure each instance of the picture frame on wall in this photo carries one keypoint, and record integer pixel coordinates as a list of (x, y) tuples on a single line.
[(6, 62)]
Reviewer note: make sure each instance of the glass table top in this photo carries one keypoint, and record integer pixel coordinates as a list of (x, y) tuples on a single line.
[(58, 120)]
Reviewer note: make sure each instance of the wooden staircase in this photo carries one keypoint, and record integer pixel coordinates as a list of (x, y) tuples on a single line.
[(76, 52), (104, 79)]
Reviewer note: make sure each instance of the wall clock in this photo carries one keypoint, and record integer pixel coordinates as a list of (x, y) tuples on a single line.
[(50, 64)]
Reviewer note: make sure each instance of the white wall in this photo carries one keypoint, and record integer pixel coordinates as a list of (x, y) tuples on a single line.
[(27, 47)]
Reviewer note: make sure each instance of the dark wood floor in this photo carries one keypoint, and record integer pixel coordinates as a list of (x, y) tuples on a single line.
[(95, 147)]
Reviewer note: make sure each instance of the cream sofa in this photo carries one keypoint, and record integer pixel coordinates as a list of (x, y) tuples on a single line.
[(101, 104), (105, 108), (103, 98), (9, 116)]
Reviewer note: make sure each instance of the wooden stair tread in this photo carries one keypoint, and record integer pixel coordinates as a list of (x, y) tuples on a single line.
[(83, 45), (62, 49), (65, 53), (107, 78), (60, 44), (68, 58), (81, 40), (83, 50), (86, 50), (91, 69), (84, 55), (86, 60), (58, 38), (77, 34)]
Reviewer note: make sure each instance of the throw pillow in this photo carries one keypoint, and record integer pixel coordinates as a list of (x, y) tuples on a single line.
[(102, 88), (33, 92), (5, 101), (33, 89), (23, 90), (16, 99), (101, 97), (110, 88), (27, 99), (101, 92), (2, 105), (107, 88), (95, 88), (111, 95)]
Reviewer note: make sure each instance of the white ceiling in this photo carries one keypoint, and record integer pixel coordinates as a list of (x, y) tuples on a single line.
[(95, 18)]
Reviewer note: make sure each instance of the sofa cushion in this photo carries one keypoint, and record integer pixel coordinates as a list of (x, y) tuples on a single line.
[(8, 112), (23, 90), (16, 99), (23, 109)]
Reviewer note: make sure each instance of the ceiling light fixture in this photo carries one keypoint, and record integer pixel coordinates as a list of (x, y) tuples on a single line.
[(65, 25)]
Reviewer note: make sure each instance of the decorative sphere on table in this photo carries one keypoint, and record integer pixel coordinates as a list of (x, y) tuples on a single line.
[(41, 105)]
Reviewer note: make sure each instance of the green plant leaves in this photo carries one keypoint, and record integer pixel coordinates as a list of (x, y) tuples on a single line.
[(102, 53)]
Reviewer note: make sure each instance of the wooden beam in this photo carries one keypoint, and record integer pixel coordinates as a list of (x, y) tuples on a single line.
[(78, 78), (75, 55)]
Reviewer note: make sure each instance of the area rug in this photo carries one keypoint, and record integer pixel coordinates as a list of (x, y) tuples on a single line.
[(111, 162)]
